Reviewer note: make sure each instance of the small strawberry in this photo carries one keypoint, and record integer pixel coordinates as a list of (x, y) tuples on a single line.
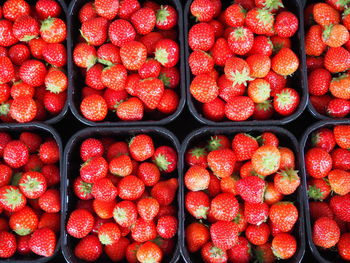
[(197, 204), (8, 244), (170, 77), (342, 136), (84, 55), (244, 146), (287, 181), (24, 221), (109, 233), (319, 81), (23, 245), (237, 70), (169, 102), (335, 35), (285, 62), (325, 233), (167, 226), (148, 208), (204, 88), (165, 191), (340, 206), (13, 9), (251, 189), (130, 110), (36, 46), (211, 253), (338, 180), (167, 52), (200, 62), (259, 90), (221, 51), (141, 147), (43, 242), (19, 53), (201, 36), (80, 223), (224, 207), (166, 17), (256, 213), (338, 108), (53, 30), (266, 160), (202, 10), (222, 162), (94, 31), (197, 235), (284, 246), (258, 234), (143, 20), (196, 156), (286, 101), (104, 190), (286, 24), (89, 248), (318, 162), (234, 15), (272, 5), (271, 195), (32, 184), (94, 108), (33, 72), (50, 220), (241, 252), (144, 230)]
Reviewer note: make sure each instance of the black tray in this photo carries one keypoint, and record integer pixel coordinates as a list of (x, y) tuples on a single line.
[(298, 81), (63, 16), (325, 256), (72, 165), (286, 139), (76, 80), (47, 131)]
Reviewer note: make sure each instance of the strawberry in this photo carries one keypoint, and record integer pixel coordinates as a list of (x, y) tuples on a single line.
[(87, 12), (240, 108), (133, 54), (127, 8), (56, 81), (143, 20), (130, 188), (148, 208), (5, 92), (241, 252), (165, 191), (120, 165), (202, 10), (266, 160), (19, 53), (224, 207), (36, 46), (117, 250), (234, 15), (255, 213), (55, 54), (325, 233), (287, 182), (43, 242), (125, 213), (169, 102), (340, 158), (263, 110), (32, 184), (89, 248), (108, 54), (211, 253), (338, 180), (284, 246), (259, 65), (150, 91), (141, 147), (24, 221), (165, 158), (335, 35), (244, 146), (114, 77), (149, 252), (47, 8), (197, 204), (277, 82), (167, 52), (104, 190), (120, 32), (53, 30), (167, 226), (337, 59), (6, 174), (13, 9), (285, 62), (107, 9), (338, 87), (8, 244), (259, 90), (94, 31), (94, 108), (114, 98), (222, 162), (50, 201), (150, 69), (319, 81), (241, 40), (262, 45), (338, 108), (218, 142), (7, 70), (33, 72), (90, 148), (318, 162), (224, 234), (170, 77), (258, 234), (342, 245), (23, 109), (325, 15), (54, 103), (84, 55), (200, 62), (260, 21), (221, 51), (283, 215), (109, 233), (340, 207), (201, 36), (286, 24), (237, 70), (271, 195), (130, 110), (6, 35), (286, 101), (25, 28), (251, 189), (80, 223), (342, 136), (23, 245), (196, 156), (144, 230), (197, 235), (50, 220), (204, 88), (16, 154)]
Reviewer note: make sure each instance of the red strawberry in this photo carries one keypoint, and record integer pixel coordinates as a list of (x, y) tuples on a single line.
[(125, 213), (286, 24), (165, 158), (197, 204), (251, 189), (201, 36), (89, 248), (260, 21), (141, 147), (337, 59), (202, 10), (337, 108), (237, 70), (273, 5), (25, 28), (148, 208), (256, 213), (222, 162), (13, 9), (167, 226), (165, 191), (200, 62), (286, 101), (80, 223), (144, 230), (53, 30), (241, 40), (91, 148), (109, 233), (43, 242), (196, 236), (33, 72), (149, 252), (16, 154), (224, 207), (326, 232), (84, 55), (127, 8), (55, 54), (133, 54), (211, 253), (234, 15), (32, 184), (244, 146), (23, 245), (94, 108), (143, 20), (6, 35), (23, 109), (50, 220), (166, 17), (203, 88), (167, 52), (284, 246), (240, 108), (120, 32), (8, 244), (94, 31), (87, 12), (318, 162), (169, 102), (224, 234), (7, 70), (130, 188), (19, 53), (283, 215), (50, 201), (340, 159), (56, 81), (47, 8), (150, 91), (130, 110), (24, 221), (104, 190), (258, 234)]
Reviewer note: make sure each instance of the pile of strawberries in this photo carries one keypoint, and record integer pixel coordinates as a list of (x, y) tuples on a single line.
[(327, 165), (29, 195), (128, 55), (126, 194), (241, 58), (328, 48), (238, 187), (32, 61)]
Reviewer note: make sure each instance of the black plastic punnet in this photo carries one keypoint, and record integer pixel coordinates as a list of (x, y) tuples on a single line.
[(77, 81), (72, 163), (46, 131), (286, 139), (298, 81), (321, 255)]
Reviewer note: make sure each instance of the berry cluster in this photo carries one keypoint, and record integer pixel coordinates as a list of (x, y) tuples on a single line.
[(136, 72), (241, 58), (327, 165), (32, 61), (29, 195), (239, 188), (125, 205), (327, 48)]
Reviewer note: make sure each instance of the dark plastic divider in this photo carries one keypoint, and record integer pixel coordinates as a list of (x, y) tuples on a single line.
[(63, 16), (44, 130), (71, 168), (76, 79), (286, 139), (298, 81), (325, 256)]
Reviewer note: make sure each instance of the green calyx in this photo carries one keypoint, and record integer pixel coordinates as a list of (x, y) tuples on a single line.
[(216, 252), (165, 79), (105, 62), (214, 143), (264, 106), (120, 214), (285, 99), (327, 32), (53, 88), (105, 239), (270, 162), (162, 162), (28, 38), (4, 109), (198, 152), (340, 77), (259, 255), (91, 60), (202, 212), (162, 14), (31, 184), (47, 24), (273, 4), (315, 193), (15, 179), (240, 77), (85, 188), (264, 16), (289, 174), (346, 11), (239, 33), (161, 55), (264, 90), (23, 231), (13, 197), (343, 3)]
